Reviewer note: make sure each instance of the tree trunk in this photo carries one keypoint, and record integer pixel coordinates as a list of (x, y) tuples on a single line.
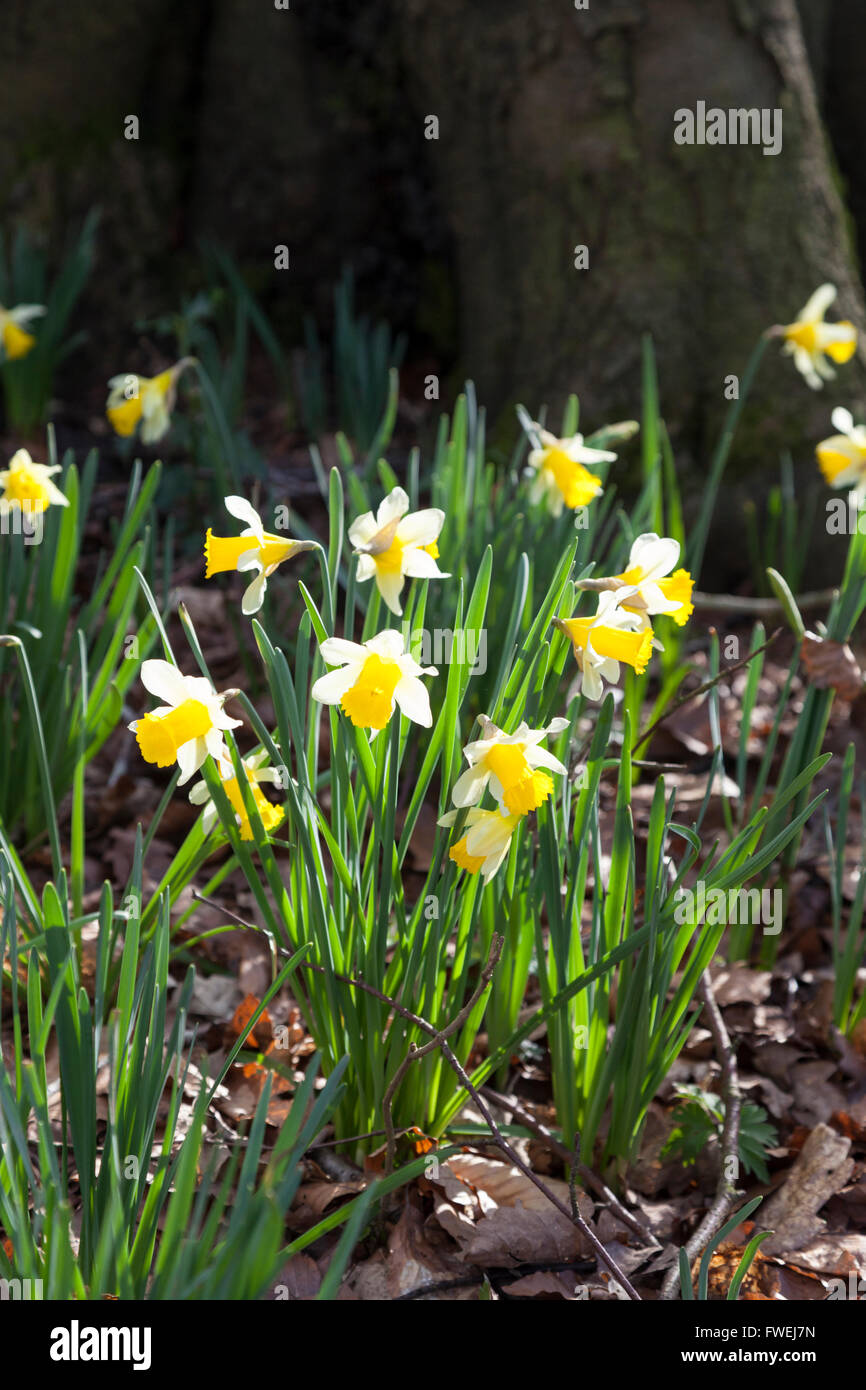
[(556, 130)]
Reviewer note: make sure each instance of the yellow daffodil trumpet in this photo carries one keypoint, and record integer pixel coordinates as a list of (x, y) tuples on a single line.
[(254, 549), (613, 635)]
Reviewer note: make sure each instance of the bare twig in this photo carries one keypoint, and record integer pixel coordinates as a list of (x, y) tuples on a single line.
[(726, 1189), (590, 1179), (702, 690), (766, 607)]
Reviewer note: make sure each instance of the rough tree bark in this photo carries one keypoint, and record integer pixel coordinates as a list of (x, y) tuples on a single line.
[(555, 129)]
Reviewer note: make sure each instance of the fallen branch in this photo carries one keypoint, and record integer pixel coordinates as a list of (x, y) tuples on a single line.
[(590, 1179), (729, 1143)]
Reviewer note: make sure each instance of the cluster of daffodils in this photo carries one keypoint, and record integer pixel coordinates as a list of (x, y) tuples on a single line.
[(620, 631), (189, 727), (512, 767), (15, 339), (369, 681)]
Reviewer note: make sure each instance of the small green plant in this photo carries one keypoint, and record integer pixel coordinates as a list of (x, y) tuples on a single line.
[(700, 1118), (687, 1290)]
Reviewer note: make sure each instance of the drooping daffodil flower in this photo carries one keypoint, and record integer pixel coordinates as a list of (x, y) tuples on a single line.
[(256, 771), (811, 341), (397, 544), (144, 400), (28, 485), (15, 341), (254, 549), (189, 726), (612, 635), (842, 457), (372, 678), (511, 764), (485, 844)]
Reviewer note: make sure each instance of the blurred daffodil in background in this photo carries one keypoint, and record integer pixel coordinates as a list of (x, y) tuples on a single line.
[(15, 340), (842, 457), (28, 485), (144, 401), (811, 341), (560, 470)]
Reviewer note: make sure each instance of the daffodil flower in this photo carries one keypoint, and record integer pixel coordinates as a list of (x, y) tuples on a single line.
[(611, 636), (144, 400), (254, 549), (271, 816), (559, 471), (842, 457), (15, 341), (188, 727), (654, 589), (811, 341), (485, 844), (372, 678), (28, 485), (510, 764), (397, 544)]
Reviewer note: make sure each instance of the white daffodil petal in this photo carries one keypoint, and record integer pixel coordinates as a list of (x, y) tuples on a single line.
[(654, 555), (469, 787), (421, 528), (413, 700), (390, 586), (330, 688), (395, 505), (338, 650), (417, 564), (245, 511), (165, 681), (817, 304), (254, 595)]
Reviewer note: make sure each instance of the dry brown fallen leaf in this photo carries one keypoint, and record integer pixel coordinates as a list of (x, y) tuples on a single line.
[(831, 665), (821, 1169)]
